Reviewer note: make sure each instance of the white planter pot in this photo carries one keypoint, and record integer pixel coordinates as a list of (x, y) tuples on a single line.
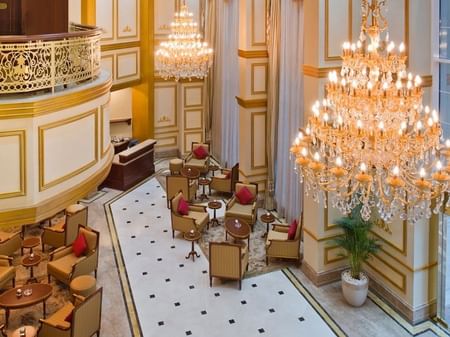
[(355, 291)]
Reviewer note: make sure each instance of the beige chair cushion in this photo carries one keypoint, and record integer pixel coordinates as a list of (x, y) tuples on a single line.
[(62, 267), (196, 162), (176, 161), (75, 208), (5, 236), (83, 285), (241, 210), (58, 318), (6, 273), (58, 223), (275, 235), (91, 239), (199, 217)]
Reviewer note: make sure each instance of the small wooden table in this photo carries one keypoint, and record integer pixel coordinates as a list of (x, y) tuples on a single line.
[(267, 218), (29, 262), (192, 236), (214, 205), (213, 168), (9, 301), (190, 172), (203, 182), (238, 229), (30, 243), (30, 331)]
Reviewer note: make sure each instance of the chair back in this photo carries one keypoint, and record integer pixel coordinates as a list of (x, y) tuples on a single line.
[(92, 238), (73, 221), (175, 201), (224, 259), (252, 187), (87, 316), (175, 184), (234, 176), (195, 145)]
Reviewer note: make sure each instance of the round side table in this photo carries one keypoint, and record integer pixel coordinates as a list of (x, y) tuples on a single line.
[(267, 218), (214, 205), (30, 262), (213, 168), (30, 243), (203, 182), (30, 331), (192, 236)]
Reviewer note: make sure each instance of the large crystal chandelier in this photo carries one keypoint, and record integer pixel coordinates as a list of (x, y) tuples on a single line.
[(371, 141), (184, 55)]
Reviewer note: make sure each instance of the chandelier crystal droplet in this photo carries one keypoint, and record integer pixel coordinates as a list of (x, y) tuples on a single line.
[(184, 55), (371, 142)]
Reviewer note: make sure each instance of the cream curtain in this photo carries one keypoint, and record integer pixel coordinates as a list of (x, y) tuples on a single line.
[(286, 101), (223, 35)]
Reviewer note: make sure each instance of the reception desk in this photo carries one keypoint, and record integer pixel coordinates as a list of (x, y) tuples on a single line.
[(131, 166)]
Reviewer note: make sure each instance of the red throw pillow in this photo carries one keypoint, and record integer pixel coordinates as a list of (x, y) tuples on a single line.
[(228, 175), (244, 196), (183, 207), (200, 152), (69, 317), (292, 230), (79, 246)]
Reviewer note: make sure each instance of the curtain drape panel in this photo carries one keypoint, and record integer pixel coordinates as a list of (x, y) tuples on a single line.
[(285, 111), (223, 35)]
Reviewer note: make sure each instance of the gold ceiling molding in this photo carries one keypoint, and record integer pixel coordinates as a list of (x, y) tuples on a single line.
[(253, 54), (316, 72), (49, 105), (117, 46), (252, 103), (48, 208)]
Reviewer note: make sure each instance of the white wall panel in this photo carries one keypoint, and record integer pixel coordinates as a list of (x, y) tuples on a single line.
[(127, 19), (12, 163), (105, 18), (164, 11), (166, 106)]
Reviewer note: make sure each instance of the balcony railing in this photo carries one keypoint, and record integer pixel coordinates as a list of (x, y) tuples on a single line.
[(37, 62)]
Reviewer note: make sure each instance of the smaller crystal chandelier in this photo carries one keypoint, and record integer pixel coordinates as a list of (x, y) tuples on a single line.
[(184, 55)]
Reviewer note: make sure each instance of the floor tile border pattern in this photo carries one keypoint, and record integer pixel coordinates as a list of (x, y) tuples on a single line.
[(133, 319)]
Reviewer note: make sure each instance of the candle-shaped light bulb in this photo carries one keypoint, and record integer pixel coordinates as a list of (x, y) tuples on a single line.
[(359, 44), (370, 48), (439, 165), (359, 124), (300, 135), (304, 152), (417, 81), (398, 85), (381, 126), (396, 171), (340, 120), (427, 110), (403, 125), (339, 162), (391, 47), (435, 116), (343, 82), (353, 47), (419, 125), (385, 86), (447, 143), (430, 122), (422, 173), (409, 85), (317, 156), (369, 85), (363, 167), (326, 118), (297, 141), (308, 130), (401, 48), (355, 84), (410, 76)]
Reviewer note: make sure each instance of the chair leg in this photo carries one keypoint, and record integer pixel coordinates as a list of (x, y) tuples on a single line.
[(98, 333), (267, 260), (95, 273), (173, 234), (210, 281), (49, 279), (43, 247), (14, 282), (240, 284)]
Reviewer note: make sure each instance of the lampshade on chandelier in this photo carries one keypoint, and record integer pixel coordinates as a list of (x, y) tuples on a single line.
[(371, 141), (184, 55)]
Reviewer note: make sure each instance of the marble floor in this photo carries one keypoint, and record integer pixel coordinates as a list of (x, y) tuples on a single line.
[(372, 319)]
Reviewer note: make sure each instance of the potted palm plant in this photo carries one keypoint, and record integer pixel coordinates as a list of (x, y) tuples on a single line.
[(358, 247)]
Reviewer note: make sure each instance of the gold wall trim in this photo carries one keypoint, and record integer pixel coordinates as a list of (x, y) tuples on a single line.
[(88, 12), (200, 132), (316, 72), (43, 185), (102, 130), (175, 141), (253, 54), (255, 43), (403, 250), (185, 89), (128, 84), (251, 103), (136, 60), (49, 105), (266, 77), (113, 62), (427, 81), (329, 57), (327, 261), (175, 105), (23, 163), (201, 118), (46, 209), (327, 238), (252, 136), (118, 46), (401, 287), (127, 28)]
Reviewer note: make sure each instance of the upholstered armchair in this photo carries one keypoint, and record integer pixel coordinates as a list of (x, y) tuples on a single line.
[(64, 265), (246, 212), (175, 184), (279, 245), (85, 319), (7, 271), (197, 218), (65, 230), (10, 243), (225, 181), (193, 162), (227, 261)]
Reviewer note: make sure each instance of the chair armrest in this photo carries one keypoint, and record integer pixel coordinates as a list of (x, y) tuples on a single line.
[(78, 299), (55, 230), (197, 208), (188, 157), (6, 260), (60, 252), (231, 202), (57, 326), (280, 228)]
